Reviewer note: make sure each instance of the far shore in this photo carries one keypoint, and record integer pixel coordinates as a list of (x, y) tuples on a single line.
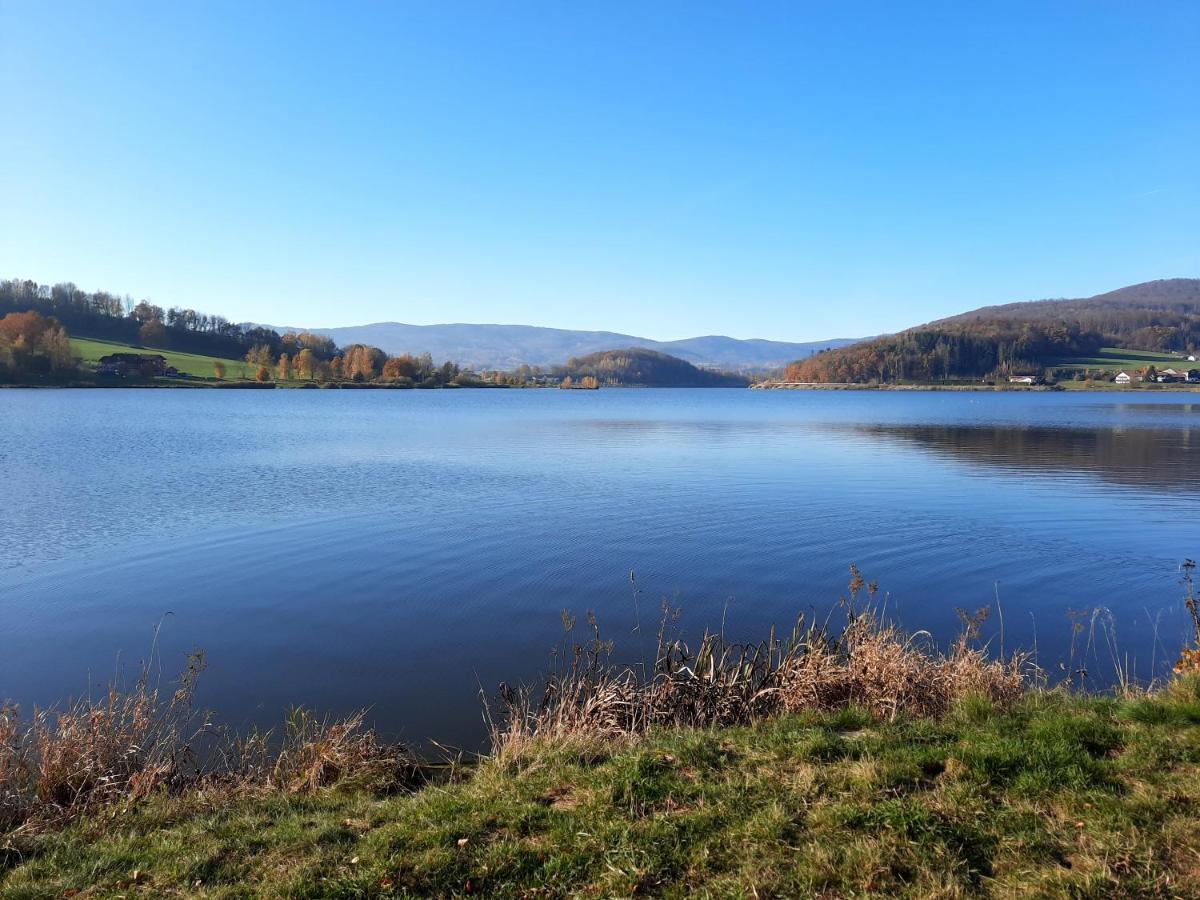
[(209, 384), (1079, 386)]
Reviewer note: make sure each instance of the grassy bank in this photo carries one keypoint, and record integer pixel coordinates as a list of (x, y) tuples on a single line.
[(1057, 796), (833, 762)]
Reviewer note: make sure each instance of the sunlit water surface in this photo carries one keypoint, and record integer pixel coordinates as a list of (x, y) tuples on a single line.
[(398, 550)]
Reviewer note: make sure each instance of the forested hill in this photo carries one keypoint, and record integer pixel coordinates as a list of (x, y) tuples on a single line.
[(1020, 337), (1155, 315), (646, 368)]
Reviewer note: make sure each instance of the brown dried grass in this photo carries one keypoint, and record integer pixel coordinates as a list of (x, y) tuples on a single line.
[(869, 663), (60, 764)]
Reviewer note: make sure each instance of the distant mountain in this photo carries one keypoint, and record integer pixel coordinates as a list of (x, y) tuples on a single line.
[(508, 346), (1012, 338), (648, 368)]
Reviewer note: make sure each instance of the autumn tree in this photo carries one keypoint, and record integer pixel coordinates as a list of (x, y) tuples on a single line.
[(263, 375), (424, 366), (321, 346), (358, 363), (33, 344), (304, 364), (259, 355), (146, 312), (218, 370), (284, 368), (362, 363), (153, 334), (403, 366), (24, 328)]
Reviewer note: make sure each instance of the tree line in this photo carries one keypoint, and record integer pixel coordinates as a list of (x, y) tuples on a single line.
[(100, 314), (356, 364), (34, 342)]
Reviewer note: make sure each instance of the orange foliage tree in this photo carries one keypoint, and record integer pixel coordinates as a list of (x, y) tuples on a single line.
[(33, 344)]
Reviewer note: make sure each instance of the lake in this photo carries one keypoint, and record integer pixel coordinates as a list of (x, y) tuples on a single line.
[(400, 549)]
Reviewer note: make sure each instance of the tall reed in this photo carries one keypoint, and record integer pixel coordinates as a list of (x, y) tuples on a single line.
[(59, 764), (867, 662)]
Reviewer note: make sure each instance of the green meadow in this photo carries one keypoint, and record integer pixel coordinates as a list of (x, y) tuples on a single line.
[(1113, 358), (193, 364)]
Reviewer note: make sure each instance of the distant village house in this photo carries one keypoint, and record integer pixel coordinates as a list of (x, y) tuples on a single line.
[(1123, 378), (1023, 379), (1167, 376), (145, 364)]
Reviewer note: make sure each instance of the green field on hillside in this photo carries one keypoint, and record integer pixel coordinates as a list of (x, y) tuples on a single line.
[(193, 364), (1114, 358)]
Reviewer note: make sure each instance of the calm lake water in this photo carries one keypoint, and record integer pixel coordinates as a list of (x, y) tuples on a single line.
[(399, 549)]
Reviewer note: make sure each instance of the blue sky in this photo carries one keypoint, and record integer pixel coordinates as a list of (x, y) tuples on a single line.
[(792, 171)]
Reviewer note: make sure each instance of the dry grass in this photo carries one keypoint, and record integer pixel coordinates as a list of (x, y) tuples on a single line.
[(60, 764), (1189, 660), (869, 663), (316, 753)]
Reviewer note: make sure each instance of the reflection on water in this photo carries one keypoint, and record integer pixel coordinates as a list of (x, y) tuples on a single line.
[(1144, 458), (398, 549)]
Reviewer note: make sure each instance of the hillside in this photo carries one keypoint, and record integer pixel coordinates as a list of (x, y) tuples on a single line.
[(490, 347), (1161, 316), (1151, 300), (646, 368), (106, 316), (194, 364)]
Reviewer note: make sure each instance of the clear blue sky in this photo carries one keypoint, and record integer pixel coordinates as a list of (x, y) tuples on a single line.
[(792, 171)]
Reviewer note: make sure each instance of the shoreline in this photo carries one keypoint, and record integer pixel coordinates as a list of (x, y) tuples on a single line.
[(1067, 387), (848, 761), (1054, 794), (979, 388)]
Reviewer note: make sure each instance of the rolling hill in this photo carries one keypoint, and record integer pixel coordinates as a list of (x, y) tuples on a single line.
[(647, 368), (508, 346), (1161, 316)]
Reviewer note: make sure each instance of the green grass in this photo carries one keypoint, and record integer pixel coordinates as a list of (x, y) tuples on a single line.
[(1070, 384), (1061, 796), (1113, 358), (193, 364)]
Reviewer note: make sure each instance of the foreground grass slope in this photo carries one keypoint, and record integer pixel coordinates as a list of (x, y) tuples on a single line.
[(1057, 796)]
